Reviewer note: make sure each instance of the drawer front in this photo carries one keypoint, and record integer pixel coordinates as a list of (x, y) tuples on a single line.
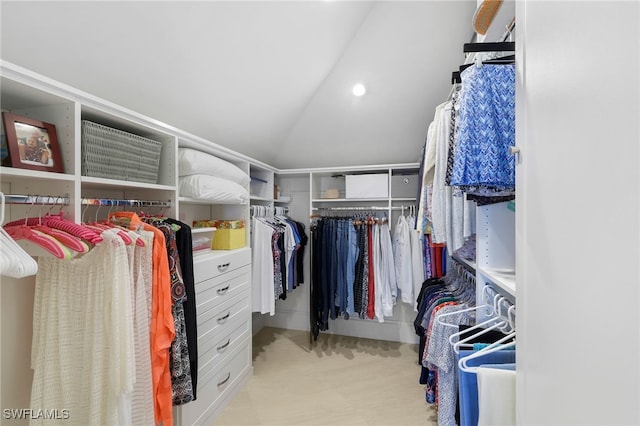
[(211, 362), (215, 320), (214, 346), (217, 381), (215, 291), (214, 386), (206, 266)]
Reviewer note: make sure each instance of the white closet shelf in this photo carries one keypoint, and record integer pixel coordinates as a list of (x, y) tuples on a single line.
[(92, 182), (187, 200), (25, 174), (212, 255), (502, 279), (256, 198), (412, 199), (466, 262), (349, 200), (203, 230)]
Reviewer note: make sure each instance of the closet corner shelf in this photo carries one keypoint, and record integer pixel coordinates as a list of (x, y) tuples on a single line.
[(506, 281), (24, 174), (468, 263), (411, 199), (348, 200), (187, 200), (282, 201), (256, 198), (203, 230), (93, 182)]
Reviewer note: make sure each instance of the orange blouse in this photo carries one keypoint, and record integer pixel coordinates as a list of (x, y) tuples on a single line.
[(162, 328)]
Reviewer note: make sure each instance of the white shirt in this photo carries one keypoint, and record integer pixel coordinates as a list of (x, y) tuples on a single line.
[(262, 277), (402, 258)]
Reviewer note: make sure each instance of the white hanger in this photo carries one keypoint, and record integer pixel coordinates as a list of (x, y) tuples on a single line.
[(495, 322), (440, 317), (494, 347), (15, 261)]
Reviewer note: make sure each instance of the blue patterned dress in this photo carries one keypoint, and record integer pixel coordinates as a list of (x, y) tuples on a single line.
[(482, 163)]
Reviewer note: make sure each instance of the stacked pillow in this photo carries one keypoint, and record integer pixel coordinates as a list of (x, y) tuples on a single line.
[(203, 176)]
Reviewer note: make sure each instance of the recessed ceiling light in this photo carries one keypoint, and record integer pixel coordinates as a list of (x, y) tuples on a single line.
[(359, 89)]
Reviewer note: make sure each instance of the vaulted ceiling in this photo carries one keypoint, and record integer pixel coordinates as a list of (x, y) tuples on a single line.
[(269, 79)]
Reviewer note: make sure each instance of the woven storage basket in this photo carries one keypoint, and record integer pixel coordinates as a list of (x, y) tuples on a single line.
[(115, 154)]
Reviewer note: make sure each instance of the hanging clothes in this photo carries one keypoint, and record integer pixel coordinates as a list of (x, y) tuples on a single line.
[(277, 249), (180, 367), (185, 252), (162, 326), (402, 254), (264, 296), (81, 311), (482, 163), (439, 296), (142, 407), (417, 269), (470, 391), (353, 270)]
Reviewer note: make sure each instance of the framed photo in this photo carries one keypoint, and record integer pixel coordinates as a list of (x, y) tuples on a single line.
[(32, 144)]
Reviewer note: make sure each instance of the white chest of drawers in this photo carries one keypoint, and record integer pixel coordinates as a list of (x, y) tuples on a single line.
[(223, 300)]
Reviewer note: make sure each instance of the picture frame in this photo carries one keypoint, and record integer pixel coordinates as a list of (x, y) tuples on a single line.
[(32, 144)]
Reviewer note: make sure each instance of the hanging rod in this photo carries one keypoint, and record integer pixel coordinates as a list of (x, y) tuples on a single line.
[(358, 208), (503, 46), (497, 290), (37, 199), (126, 203), (464, 263)]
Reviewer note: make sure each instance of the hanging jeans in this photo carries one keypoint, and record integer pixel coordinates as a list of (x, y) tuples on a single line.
[(352, 256)]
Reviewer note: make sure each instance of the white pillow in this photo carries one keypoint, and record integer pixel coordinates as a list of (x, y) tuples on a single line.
[(212, 188), (194, 162)]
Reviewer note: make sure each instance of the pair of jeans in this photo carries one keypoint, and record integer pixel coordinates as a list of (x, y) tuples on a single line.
[(352, 256)]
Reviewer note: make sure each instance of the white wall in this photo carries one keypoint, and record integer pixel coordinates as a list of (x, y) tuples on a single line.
[(578, 213), (17, 329)]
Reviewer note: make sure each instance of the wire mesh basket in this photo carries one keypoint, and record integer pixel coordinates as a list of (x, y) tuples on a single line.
[(116, 154)]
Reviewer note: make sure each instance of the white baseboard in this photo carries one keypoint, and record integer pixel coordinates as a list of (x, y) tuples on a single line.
[(390, 330)]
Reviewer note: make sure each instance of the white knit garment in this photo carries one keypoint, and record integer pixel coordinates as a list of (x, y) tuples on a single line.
[(81, 334), (142, 405)]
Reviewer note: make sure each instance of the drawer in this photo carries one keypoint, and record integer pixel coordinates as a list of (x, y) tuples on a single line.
[(215, 386), (218, 262), (220, 378), (213, 346), (215, 319), (215, 291)]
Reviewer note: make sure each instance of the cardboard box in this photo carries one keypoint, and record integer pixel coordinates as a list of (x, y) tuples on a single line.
[(229, 239), (230, 235), (367, 186)]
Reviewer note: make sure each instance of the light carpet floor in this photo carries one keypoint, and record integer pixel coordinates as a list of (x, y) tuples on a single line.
[(337, 381)]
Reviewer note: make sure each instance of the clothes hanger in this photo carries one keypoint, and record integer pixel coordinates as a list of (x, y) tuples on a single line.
[(493, 347), (495, 322), (57, 221), (110, 225), (71, 241), (440, 317), (15, 262), (100, 227), (50, 244)]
